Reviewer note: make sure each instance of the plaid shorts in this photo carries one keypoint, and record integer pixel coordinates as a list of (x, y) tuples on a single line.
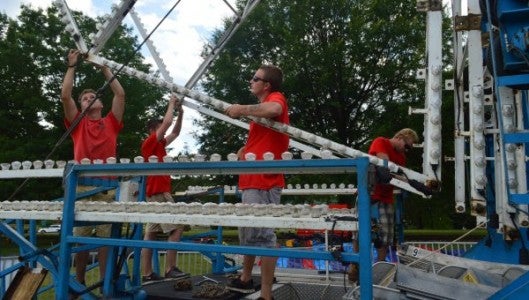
[(386, 223)]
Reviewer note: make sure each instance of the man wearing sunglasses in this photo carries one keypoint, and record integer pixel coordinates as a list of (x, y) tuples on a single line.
[(261, 188), (392, 149)]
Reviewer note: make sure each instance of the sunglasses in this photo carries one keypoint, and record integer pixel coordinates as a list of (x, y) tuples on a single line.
[(407, 147), (256, 79)]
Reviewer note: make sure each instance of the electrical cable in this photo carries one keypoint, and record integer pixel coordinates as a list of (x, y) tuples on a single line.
[(518, 210), (448, 244), (99, 94)]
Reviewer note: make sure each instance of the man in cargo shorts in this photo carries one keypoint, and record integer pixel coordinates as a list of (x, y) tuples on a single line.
[(261, 188), (159, 189)]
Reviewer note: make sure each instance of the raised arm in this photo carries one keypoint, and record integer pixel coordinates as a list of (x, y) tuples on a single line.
[(167, 119), (178, 124), (68, 103), (118, 102)]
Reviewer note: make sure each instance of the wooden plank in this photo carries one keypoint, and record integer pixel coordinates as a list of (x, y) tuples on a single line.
[(26, 283)]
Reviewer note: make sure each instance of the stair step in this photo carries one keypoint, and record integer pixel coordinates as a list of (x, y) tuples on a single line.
[(26, 283)]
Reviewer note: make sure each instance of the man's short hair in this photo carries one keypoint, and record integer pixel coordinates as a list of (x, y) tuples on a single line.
[(85, 91), (152, 124), (273, 75), (408, 133)]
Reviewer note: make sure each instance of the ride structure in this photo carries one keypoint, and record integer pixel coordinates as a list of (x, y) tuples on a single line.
[(491, 83)]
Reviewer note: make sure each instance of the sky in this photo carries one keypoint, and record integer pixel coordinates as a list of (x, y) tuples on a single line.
[(179, 39)]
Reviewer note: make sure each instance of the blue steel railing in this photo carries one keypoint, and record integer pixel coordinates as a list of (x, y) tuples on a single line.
[(322, 166)]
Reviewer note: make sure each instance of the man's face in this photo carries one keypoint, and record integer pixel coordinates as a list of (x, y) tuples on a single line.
[(406, 144), (87, 98), (258, 84)]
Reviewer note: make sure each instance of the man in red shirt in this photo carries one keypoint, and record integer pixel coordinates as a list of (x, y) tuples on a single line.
[(94, 137), (392, 149), (159, 188), (261, 188)]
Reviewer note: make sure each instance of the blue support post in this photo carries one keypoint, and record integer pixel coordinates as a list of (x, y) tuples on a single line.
[(219, 257), (364, 232), (65, 251), (138, 235), (399, 212), (136, 267), (20, 230)]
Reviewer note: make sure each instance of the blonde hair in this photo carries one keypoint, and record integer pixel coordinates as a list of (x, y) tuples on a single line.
[(408, 133)]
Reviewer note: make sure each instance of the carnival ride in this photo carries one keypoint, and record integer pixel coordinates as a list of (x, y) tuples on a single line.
[(490, 84)]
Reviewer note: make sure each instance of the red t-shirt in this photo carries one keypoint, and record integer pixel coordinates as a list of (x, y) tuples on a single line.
[(95, 139), (384, 192), (159, 183), (262, 139)]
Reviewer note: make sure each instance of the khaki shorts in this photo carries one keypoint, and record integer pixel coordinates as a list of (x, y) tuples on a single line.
[(256, 236), (100, 230), (165, 228)]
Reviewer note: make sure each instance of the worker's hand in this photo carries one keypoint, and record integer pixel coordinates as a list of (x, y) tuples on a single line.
[(177, 102), (433, 185), (73, 57), (383, 174), (234, 111)]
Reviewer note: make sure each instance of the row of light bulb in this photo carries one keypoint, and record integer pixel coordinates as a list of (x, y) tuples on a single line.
[(297, 186), (193, 208), (292, 131), (49, 164)]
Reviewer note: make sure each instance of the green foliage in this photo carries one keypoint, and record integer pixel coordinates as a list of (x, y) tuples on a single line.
[(347, 65), (349, 71), (32, 59)]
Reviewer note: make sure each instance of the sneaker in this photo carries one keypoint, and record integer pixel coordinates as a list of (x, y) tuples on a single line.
[(236, 284), (175, 273), (151, 277)]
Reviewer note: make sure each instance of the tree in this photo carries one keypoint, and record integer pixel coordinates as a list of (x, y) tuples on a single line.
[(32, 59), (345, 62), (349, 68)]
